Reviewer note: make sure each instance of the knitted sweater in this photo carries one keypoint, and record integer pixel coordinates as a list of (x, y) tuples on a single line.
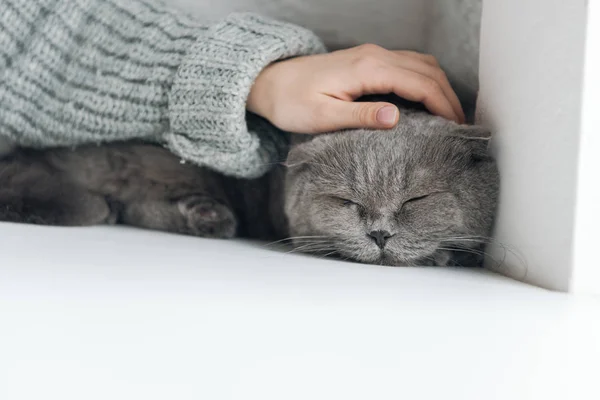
[(93, 71)]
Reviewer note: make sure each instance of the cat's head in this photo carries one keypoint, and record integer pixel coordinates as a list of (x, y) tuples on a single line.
[(398, 197)]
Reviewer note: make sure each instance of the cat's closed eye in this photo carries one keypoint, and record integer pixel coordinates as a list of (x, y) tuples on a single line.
[(424, 196), (414, 202), (345, 202), (417, 198)]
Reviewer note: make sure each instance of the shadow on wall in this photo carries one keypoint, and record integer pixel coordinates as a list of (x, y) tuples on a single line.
[(448, 29)]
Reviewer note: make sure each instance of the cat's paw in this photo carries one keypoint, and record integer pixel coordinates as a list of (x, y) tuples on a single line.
[(208, 217)]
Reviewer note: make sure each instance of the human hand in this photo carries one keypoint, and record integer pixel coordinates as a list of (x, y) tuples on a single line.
[(315, 94)]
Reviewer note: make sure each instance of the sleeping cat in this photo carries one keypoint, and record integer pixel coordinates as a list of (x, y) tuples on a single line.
[(424, 192)]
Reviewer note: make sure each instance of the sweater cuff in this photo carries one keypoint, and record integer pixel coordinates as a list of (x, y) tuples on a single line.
[(207, 102)]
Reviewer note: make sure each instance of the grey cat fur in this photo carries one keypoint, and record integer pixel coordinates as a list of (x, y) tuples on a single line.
[(424, 192)]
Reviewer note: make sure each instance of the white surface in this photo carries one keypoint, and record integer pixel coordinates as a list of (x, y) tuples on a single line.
[(586, 262), (108, 313), (531, 66)]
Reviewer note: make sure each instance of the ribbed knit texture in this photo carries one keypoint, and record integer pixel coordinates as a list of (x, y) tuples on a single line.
[(81, 71)]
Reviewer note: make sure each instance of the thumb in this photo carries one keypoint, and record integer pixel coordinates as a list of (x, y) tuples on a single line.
[(344, 115)]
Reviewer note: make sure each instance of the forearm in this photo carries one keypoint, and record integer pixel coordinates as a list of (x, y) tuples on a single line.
[(207, 102), (89, 70), (78, 71)]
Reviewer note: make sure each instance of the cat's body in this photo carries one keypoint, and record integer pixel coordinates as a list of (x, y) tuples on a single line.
[(424, 192), (135, 184)]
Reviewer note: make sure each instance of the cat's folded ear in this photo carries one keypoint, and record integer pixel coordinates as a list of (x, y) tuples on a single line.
[(472, 132), (475, 139)]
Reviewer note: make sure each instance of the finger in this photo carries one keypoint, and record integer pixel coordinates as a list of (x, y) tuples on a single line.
[(436, 73), (419, 88), (426, 58), (338, 114), (427, 66)]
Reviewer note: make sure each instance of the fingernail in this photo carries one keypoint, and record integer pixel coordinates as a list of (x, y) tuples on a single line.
[(387, 115)]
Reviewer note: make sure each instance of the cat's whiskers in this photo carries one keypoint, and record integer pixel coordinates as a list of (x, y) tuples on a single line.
[(479, 239), (308, 242), (428, 258), (477, 252), (465, 250), (315, 246), (297, 238), (329, 254), (311, 248), (329, 247), (320, 245), (455, 240)]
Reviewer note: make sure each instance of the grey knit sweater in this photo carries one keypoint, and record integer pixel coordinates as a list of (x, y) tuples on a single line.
[(93, 71)]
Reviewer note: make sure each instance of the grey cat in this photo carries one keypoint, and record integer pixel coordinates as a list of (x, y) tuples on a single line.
[(424, 192)]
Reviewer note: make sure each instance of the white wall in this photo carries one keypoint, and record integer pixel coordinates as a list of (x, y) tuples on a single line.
[(453, 36), (531, 65), (586, 268), (340, 23)]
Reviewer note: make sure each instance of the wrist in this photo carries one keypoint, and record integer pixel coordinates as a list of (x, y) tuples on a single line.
[(260, 98)]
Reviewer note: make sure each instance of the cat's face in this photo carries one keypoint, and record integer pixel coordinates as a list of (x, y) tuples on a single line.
[(398, 197)]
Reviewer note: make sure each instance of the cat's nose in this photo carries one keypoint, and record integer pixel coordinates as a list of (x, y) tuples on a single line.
[(380, 237)]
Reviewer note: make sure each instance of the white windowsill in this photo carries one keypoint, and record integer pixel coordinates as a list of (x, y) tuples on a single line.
[(114, 313)]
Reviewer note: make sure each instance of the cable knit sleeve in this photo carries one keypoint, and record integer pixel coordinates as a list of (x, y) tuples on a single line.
[(85, 71)]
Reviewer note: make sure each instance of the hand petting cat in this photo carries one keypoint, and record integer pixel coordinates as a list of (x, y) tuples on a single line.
[(314, 94)]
